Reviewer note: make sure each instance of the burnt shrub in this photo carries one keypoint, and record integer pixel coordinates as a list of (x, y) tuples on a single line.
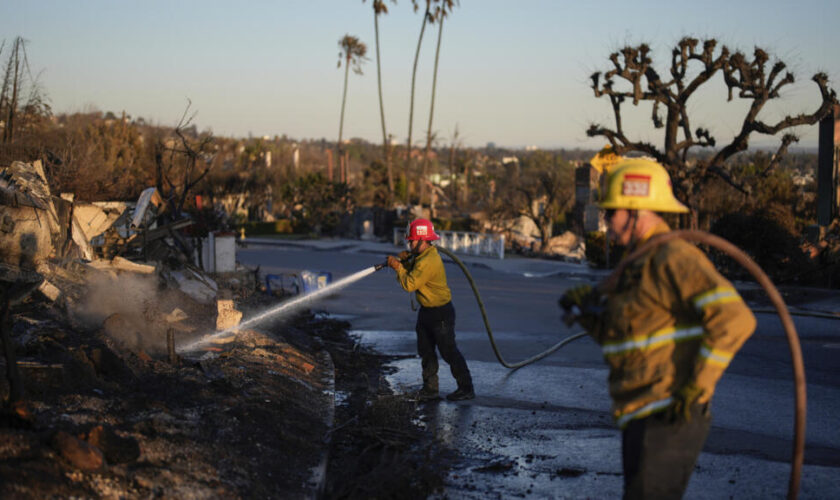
[(769, 238), (595, 254)]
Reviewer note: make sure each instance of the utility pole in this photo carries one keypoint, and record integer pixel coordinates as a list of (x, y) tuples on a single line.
[(827, 170)]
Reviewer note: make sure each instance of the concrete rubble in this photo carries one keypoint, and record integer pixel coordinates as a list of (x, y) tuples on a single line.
[(226, 315), (29, 223)]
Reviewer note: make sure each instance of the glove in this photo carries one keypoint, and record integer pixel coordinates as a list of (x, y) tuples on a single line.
[(575, 296), (394, 263), (581, 305), (404, 255), (684, 399)]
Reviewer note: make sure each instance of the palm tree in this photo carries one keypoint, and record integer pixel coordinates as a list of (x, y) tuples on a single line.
[(353, 53), (379, 7), (441, 11), (427, 16)]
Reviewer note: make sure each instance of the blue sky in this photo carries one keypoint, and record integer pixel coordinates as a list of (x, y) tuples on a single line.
[(512, 72)]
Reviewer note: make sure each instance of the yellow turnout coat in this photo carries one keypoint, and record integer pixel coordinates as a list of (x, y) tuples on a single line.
[(427, 277), (671, 320)]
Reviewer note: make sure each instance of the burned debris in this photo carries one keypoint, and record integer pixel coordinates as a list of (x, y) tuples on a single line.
[(98, 400)]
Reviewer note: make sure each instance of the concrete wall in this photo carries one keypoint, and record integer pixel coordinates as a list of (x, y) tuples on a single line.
[(218, 253)]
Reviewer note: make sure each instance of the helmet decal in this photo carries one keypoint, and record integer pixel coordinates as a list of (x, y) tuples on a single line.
[(421, 229), (636, 185)]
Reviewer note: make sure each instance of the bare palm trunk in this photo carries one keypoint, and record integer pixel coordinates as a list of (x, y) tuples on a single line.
[(431, 111), (343, 102), (411, 105), (385, 148)]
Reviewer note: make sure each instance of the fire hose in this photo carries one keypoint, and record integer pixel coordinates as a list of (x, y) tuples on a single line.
[(747, 263)]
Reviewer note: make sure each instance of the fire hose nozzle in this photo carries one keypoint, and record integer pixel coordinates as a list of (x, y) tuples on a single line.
[(380, 266)]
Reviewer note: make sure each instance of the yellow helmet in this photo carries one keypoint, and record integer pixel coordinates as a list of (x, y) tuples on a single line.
[(640, 184)]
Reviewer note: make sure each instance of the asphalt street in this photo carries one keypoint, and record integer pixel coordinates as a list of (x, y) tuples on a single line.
[(544, 431)]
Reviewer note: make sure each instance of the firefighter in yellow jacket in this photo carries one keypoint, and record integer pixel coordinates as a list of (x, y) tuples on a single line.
[(667, 331), (421, 271)]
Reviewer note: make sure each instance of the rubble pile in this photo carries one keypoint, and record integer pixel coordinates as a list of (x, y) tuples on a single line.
[(97, 402)]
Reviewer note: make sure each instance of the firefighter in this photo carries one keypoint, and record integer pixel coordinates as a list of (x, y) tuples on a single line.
[(667, 332), (421, 270)]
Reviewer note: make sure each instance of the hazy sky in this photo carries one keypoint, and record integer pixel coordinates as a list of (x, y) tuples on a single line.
[(512, 72)]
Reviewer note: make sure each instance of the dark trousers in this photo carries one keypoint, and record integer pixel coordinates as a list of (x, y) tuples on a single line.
[(436, 328), (659, 454)]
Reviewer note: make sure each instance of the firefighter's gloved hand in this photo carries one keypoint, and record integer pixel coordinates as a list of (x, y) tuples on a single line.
[(404, 255), (684, 399), (394, 263), (576, 296), (581, 305)]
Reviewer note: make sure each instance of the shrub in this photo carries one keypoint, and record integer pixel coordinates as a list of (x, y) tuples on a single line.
[(768, 238)]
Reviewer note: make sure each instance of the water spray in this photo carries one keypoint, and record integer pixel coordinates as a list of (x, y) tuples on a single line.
[(286, 307)]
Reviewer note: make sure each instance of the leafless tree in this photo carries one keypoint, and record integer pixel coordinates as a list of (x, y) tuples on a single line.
[(18, 84), (543, 191), (181, 164), (693, 64)]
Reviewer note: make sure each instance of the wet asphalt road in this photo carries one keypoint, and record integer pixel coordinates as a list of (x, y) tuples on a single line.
[(544, 431)]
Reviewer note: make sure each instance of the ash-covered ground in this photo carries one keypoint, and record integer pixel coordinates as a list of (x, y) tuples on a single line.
[(107, 414)]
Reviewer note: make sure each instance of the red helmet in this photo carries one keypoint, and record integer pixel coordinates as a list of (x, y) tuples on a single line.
[(421, 229)]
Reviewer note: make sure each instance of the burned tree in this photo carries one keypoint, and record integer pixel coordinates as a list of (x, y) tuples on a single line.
[(22, 100), (634, 78), (540, 188), (180, 164)]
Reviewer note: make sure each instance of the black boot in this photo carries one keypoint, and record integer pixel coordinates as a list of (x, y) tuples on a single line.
[(461, 394)]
